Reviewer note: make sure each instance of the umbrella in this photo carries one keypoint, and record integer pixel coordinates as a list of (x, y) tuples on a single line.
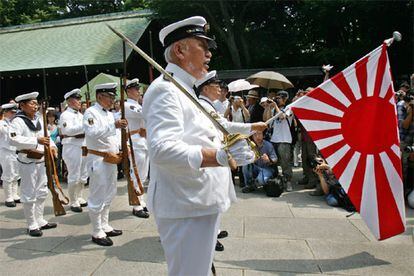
[(240, 85), (270, 79)]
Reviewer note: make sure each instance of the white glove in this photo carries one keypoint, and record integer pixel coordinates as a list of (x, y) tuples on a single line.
[(240, 152), (327, 68)]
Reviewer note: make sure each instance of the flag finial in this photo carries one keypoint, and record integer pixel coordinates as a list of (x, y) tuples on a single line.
[(396, 36)]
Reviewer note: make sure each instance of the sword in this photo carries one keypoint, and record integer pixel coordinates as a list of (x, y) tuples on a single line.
[(229, 139)]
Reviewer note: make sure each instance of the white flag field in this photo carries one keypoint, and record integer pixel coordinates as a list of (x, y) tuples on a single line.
[(352, 119)]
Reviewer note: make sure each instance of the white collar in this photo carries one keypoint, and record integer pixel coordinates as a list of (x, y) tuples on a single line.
[(182, 75), (129, 100), (205, 98)]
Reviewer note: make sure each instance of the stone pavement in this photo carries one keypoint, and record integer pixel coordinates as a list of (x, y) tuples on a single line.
[(293, 234)]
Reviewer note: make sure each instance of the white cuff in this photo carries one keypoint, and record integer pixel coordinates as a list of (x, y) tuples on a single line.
[(195, 157)]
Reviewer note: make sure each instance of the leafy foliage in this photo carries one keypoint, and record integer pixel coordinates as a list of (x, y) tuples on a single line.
[(260, 34)]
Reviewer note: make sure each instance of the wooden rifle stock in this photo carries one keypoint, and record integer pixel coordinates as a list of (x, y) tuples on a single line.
[(132, 193), (51, 173), (135, 168)]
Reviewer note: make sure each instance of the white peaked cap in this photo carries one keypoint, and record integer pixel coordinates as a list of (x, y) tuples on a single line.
[(28, 96)]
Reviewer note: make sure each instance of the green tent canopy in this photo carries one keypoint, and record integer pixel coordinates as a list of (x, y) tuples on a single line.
[(104, 78)]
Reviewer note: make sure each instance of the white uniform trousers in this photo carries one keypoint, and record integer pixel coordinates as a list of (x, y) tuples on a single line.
[(102, 190), (142, 161), (33, 193), (10, 174), (77, 173), (189, 244)]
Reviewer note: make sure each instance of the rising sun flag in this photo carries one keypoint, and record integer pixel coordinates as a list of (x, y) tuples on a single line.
[(352, 120)]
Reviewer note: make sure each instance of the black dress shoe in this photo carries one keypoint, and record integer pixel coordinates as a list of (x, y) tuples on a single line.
[(48, 225), (17, 201), (106, 241), (248, 189), (219, 246), (35, 232), (76, 209), (84, 204), (10, 204), (114, 233), (140, 213), (223, 234)]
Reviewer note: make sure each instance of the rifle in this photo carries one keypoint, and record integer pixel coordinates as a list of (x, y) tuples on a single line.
[(132, 193), (52, 177), (134, 167), (87, 94)]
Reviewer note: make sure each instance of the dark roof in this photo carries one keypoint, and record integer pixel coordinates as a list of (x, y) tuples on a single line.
[(70, 42)]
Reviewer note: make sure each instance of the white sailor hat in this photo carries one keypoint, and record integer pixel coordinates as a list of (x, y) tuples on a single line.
[(109, 88), (132, 83), (27, 97), (50, 109), (210, 77), (9, 106), (75, 93), (193, 26)]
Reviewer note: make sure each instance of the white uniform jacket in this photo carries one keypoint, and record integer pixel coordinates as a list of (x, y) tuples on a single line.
[(100, 131), (176, 132), (71, 124), (4, 136), (231, 127), (22, 137), (135, 118)]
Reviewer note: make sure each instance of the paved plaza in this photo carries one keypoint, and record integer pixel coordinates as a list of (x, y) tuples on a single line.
[(293, 234)]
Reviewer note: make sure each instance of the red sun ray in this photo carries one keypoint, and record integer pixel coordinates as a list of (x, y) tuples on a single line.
[(321, 134), (323, 96), (361, 74), (380, 70), (307, 114), (355, 188), (389, 94), (328, 151), (339, 168), (340, 81), (389, 217)]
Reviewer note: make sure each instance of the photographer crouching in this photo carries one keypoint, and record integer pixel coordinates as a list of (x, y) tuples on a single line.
[(259, 173), (334, 193)]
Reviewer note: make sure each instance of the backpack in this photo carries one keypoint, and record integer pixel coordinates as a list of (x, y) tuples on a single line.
[(343, 200), (274, 187)]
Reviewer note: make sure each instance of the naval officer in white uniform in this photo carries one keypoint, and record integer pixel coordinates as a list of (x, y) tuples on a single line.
[(26, 134), (190, 180), (73, 139), (136, 125), (8, 160), (103, 145)]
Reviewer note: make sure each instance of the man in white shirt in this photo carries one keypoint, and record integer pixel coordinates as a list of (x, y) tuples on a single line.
[(133, 114), (73, 139), (190, 181), (103, 145), (281, 137), (8, 160), (27, 135)]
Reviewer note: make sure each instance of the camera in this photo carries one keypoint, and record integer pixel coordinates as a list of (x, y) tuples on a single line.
[(408, 98), (269, 101), (315, 161), (409, 149)]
